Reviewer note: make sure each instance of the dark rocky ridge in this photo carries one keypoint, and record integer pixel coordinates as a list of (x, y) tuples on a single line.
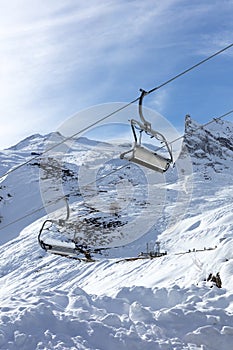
[(210, 146)]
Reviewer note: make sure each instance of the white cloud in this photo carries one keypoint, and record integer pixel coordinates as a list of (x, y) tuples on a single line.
[(59, 57), (159, 100)]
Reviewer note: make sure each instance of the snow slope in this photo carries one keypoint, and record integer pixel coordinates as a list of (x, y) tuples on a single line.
[(51, 302)]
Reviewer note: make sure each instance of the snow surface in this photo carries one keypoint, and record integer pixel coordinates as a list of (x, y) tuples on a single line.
[(51, 302)]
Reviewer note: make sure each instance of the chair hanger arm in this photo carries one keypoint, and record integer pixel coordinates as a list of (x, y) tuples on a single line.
[(147, 124)]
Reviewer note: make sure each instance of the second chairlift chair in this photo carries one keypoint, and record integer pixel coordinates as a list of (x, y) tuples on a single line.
[(140, 154)]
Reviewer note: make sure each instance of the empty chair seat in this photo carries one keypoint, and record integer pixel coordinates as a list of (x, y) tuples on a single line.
[(145, 157)]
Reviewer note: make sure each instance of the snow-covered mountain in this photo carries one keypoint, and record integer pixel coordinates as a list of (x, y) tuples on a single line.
[(169, 302), (210, 146)]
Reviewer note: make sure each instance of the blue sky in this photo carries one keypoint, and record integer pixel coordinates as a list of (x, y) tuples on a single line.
[(60, 57)]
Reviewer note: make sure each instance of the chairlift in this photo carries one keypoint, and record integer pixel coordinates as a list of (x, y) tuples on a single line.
[(56, 246), (142, 155), (48, 245), (69, 247)]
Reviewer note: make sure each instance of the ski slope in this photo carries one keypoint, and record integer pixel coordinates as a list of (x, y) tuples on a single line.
[(52, 302)]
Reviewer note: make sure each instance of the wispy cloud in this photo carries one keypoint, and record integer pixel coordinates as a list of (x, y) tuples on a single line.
[(59, 57)]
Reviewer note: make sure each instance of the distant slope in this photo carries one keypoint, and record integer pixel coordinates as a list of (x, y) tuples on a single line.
[(210, 150)]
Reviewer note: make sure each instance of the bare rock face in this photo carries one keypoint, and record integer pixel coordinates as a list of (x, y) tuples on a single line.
[(210, 147)]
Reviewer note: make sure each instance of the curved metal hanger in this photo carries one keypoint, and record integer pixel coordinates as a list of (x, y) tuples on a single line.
[(59, 222), (144, 156)]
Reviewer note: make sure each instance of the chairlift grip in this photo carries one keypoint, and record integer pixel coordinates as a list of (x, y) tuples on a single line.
[(67, 209), (147, 124)]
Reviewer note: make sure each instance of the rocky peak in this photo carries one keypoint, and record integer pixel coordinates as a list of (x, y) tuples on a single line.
[(210, 145)]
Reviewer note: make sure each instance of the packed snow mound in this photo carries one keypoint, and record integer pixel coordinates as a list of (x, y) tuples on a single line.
[(176, 319), (51, 302)]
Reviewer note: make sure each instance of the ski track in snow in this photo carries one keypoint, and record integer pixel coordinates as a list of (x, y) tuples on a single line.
[(51, 302)]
